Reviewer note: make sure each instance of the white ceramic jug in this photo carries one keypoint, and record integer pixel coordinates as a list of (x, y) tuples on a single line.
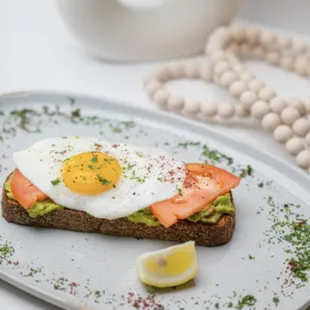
[(139, 30)]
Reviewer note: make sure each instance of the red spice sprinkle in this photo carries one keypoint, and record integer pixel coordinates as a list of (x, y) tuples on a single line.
[(302, 223), (292, 265), (62, 153), (148, 303), (115, 145), (72, 285), (134, 193), (15, 263)]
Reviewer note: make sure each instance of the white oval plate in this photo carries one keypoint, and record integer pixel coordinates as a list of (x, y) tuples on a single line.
[(92, 271)]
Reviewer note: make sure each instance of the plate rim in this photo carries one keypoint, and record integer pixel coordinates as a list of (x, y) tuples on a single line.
[(126, 108)]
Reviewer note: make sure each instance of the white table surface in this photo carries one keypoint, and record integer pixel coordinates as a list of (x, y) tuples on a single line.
[(37, 53)]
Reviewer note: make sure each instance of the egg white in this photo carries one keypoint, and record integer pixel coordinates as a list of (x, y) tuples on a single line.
[(42, 162)]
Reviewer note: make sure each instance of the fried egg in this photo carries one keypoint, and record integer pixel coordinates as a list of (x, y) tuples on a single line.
[(105, 180)]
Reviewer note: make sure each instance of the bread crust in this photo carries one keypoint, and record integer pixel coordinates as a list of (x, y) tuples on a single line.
[(68, 219)]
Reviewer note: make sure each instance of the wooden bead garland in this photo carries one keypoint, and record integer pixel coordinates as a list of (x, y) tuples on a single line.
[(226, 46)]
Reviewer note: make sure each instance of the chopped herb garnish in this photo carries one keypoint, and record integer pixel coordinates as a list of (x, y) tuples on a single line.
[(214, 156), (159, 179), (6, 251), (129, 124), (139, 154), (115, 129), (90, 166), (276, 300), (56, 181), (103, 181), (248, 171), (248, 300), (186, 144), (94, 159)]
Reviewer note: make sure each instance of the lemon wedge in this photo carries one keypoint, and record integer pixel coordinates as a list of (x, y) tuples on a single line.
[(168, 267)]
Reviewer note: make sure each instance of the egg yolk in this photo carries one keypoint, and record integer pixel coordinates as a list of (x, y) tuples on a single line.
[(91, 173)]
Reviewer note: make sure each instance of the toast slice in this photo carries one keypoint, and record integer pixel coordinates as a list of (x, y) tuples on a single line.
[(68, 219)]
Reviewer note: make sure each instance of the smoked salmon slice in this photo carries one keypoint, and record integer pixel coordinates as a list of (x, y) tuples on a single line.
[(203, 184), (24, 191)]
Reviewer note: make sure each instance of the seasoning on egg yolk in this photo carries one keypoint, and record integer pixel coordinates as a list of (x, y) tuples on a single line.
[(91, 173)]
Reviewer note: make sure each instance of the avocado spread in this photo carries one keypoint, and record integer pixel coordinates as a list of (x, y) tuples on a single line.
[(39, 208), (211, 214)]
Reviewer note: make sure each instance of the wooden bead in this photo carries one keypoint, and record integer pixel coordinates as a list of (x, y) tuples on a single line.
[(267, 37), (266, 94), (213, 46), (287, 62), (176, 69), (247, 99), (245, 49), (221, 67), (277, 105), (252, 34), (162, 74), (289, 115), (241, 111), (206, 72), (294, 145), (258, 52), (255, 85), (307, 106), (218, 56), (307, 139), (237, 32), (260, 109), (237, 88), (273, 58), (301, 127), (222, 34), (282, 133), (175, 103), (233, 48), (226, 110), (209, 109), (152, 87), (238, 68), (216, 79), (298, 105), (303, 159), (227, 78), (245, 77), (298, 46), (161, 98), (271, 121), (191, 69), (284, 42), (191, 107), (300, 66)]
